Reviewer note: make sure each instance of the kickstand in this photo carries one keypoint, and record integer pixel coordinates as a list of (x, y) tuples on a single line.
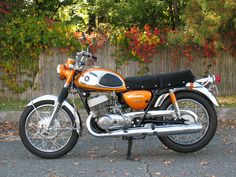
[(130, 141)]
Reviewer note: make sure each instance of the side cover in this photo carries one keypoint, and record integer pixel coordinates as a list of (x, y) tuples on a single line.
[(137, 99)]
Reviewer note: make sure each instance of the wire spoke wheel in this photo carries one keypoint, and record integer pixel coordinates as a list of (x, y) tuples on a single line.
[(51, 142), (206, 114), (58, 134), (203, 118)]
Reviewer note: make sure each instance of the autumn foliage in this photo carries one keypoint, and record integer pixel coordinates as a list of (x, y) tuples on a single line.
[(136, 29)]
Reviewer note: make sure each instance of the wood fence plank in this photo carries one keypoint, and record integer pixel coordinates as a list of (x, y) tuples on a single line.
[(46, 80)]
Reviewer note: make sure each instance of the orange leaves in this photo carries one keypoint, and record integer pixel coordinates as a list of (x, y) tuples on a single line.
[(97, 40), (77, 35), (209, 50), (143, 43)]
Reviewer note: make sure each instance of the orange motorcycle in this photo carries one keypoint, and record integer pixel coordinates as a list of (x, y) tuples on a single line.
[(175, 107)]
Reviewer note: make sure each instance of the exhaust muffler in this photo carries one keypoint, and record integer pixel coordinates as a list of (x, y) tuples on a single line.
[(163, 130)]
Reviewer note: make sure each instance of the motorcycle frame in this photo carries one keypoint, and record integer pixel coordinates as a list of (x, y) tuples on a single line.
[(159, 97)]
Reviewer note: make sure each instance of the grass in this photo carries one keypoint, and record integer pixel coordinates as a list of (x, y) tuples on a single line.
[(18, 105), (12, 105), (227, 100)]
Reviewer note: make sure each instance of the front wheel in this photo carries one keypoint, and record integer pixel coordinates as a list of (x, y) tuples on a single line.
[(206, 116), (55, 142)]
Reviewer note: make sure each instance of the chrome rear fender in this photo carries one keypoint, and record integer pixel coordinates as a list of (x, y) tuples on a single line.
[(197, 88), (65, 103)]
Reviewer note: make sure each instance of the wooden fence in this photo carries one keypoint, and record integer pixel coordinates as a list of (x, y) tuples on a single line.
[(46, 81)]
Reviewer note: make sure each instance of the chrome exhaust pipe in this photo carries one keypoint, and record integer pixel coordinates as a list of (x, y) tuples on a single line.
[(148, 130), (159, 113)]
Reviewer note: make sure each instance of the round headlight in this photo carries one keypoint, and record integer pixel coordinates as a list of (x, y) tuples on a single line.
[(60, 74)]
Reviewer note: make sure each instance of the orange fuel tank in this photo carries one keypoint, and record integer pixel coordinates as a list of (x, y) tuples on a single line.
[(100, 79), (137, 99)]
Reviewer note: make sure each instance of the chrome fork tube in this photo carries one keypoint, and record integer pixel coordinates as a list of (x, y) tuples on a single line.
[(54, 113), (63, 95)]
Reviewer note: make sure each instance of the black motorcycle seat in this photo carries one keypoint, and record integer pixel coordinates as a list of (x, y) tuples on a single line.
[(160, 81)]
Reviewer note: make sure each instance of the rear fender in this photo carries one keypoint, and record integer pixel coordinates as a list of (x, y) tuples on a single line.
[(199, 90), (65, 103)]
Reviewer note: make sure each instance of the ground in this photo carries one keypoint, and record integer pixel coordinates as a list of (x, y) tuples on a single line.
[(106, 157)]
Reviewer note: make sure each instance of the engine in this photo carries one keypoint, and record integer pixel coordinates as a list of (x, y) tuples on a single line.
[(108, 117)]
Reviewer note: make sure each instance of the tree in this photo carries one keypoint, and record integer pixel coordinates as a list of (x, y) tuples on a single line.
[(211, 23), (26, 31)]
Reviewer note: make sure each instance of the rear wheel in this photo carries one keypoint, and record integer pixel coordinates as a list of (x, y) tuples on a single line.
[(55, 142), (206, 116)]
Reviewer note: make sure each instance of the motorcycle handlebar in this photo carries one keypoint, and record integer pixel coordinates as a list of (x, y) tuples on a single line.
[(89, 55)]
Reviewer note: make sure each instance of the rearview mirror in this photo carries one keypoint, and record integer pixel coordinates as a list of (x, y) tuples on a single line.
[(84, 36)]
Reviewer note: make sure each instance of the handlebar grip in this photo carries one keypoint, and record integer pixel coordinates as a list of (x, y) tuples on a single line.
[(94, 57), (85, 54), (89, 55)]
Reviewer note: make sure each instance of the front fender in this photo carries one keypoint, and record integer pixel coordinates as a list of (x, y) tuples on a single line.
[(65, 103), (199, 89)]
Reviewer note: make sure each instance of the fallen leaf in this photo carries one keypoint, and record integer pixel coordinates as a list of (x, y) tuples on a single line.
[(7, 131), (114, 151), (112, 160), (204, 162), (53, 175), (168, 162), (127, 174), (92, 156), (165, 147), (100, 170), (76, 163), (91, 151), (157, 173), (2, 164), (82, 172)]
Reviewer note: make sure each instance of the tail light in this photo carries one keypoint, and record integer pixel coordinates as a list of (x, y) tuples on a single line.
[(217, 78)]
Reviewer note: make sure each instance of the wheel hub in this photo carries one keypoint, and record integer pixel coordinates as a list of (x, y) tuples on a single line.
[(188, 118), (52, 131)]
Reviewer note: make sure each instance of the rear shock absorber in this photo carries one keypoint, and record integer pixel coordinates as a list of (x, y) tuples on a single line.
[(174, 102)]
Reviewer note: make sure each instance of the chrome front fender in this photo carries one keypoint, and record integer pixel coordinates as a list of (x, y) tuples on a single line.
[(198, 88), (65, 103)]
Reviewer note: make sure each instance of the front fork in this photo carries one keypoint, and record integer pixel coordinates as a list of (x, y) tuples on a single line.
[(174, 103), (61, 98)]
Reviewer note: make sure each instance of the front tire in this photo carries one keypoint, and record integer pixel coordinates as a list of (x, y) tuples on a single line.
[(206, 113), (59, 140)]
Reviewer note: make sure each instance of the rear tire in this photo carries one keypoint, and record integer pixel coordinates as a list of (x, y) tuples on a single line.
[(30, 133), (209, 123)]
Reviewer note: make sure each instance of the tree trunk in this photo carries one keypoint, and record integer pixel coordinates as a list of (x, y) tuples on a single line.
[(92, 22), (172, 18), (92, 17), (176, 13)]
